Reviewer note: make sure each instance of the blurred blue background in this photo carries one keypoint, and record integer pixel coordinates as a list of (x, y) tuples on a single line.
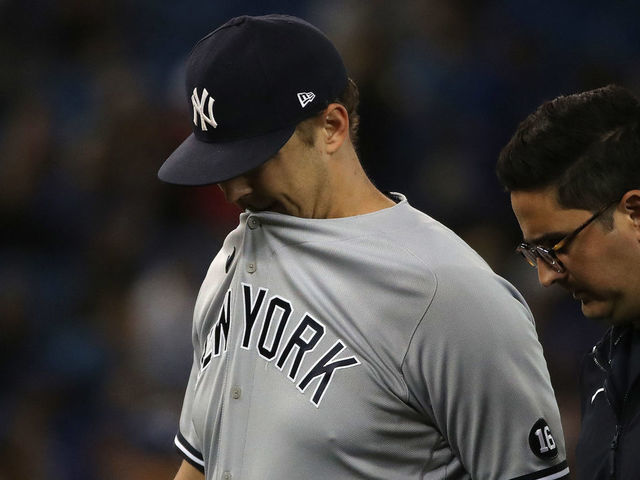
[(100, 262)]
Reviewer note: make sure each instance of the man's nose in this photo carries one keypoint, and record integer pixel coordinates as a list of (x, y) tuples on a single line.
[(235, 189), (547, 275)]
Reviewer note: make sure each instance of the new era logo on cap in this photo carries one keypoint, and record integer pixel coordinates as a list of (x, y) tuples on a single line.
[(305, 98)]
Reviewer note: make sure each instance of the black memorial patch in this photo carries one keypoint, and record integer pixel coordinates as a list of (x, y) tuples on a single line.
[(541, 440)]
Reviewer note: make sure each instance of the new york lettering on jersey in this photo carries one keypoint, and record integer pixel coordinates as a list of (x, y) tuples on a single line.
[(269, 342)]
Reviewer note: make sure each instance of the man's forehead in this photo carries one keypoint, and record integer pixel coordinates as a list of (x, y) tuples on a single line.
[(529, 205), (541, 218)]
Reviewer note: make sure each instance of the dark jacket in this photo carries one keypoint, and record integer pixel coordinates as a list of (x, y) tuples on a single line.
[(609, 443)]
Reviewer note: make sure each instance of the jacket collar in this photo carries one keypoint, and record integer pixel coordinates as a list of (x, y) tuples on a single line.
[(603, 350), (618, 355)]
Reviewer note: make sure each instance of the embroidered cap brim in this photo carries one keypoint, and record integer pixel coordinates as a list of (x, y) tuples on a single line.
[(197, 163)]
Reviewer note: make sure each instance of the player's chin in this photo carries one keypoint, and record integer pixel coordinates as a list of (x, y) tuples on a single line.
[(276, 207), (271, 207), (256, 206)]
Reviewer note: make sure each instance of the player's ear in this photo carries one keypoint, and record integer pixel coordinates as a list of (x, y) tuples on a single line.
[(630, 203), (335, 127)]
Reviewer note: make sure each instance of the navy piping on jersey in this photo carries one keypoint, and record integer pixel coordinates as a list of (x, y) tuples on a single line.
[(189, 453), (558, 471)]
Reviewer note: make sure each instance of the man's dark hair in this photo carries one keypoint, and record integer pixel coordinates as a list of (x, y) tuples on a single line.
[(585, 145)]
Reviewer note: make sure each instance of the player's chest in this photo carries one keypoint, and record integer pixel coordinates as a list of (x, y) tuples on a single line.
[(251, 329)]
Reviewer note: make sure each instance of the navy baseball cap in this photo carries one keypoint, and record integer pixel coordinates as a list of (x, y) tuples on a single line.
[(249, 83)]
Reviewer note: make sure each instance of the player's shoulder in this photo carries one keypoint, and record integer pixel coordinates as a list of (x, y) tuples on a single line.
[(458, 270), (433, 243), (219, 273)]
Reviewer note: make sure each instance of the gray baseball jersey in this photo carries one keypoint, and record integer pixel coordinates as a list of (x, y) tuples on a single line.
[(378, 346)]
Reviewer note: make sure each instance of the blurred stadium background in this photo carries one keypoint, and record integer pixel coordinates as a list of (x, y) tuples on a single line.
[(100, 263)]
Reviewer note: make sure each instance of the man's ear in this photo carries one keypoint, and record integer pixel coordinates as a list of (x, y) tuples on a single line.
[(336, 127), (630, 202)]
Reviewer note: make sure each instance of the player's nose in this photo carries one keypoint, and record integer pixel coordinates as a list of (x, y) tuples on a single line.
[(547, 275), (235, 189)]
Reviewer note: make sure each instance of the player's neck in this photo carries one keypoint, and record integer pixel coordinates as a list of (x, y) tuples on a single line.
[(352, 192)]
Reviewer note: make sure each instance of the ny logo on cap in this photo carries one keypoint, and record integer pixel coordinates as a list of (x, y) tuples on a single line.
[(305, 98), (198, 108)]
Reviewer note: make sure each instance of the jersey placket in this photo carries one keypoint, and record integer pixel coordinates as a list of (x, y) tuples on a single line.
[(241, 366)]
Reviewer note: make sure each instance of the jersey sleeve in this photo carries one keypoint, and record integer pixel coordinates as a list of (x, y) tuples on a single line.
[(186, 440), (475, 365)]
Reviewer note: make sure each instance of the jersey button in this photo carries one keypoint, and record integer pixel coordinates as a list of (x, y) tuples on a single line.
[(226, 476), (236, 392), (253, 223), (251, 267)]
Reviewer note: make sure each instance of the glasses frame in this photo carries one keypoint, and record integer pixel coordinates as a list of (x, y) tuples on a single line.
[(531, 253)]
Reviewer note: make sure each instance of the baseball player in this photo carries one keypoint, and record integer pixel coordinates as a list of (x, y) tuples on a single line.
[(339, 332)]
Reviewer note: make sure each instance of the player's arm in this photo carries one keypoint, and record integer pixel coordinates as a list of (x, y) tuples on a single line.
[(188, 472), (186, 440), (485, 380)]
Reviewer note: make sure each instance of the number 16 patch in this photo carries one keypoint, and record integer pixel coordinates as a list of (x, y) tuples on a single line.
[(541, 440)]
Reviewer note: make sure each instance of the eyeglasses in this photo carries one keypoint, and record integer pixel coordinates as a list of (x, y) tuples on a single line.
[(532, 253)]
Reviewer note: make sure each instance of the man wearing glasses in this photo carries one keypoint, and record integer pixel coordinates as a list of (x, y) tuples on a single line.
[(573, 171)]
